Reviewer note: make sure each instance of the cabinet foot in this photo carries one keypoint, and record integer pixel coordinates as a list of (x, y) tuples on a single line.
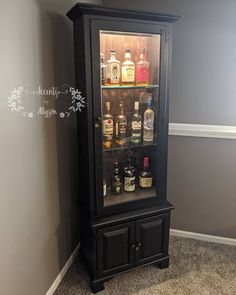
[(97, 287), (163, 264)]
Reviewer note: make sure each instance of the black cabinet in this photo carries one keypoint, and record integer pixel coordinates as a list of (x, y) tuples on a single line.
[(122, 69)]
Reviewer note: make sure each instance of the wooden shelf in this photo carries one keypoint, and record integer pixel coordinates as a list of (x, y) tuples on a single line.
[(138, 194)]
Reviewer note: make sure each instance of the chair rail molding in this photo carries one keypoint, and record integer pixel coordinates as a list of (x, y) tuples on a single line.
[(199, 130)]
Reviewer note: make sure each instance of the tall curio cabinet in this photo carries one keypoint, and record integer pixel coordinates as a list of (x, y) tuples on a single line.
[(122, 63)]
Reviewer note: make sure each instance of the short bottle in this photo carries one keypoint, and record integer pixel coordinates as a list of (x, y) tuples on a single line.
[(136, 125), (128, 69), (121, 126), (107, 127), (129, 177), (148, 123), (145, 176), (112, 70), (103, 69), (116, 180), (142, 70)]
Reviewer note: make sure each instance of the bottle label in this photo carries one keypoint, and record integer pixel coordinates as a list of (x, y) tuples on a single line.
[(145, 182), (136, 128), (142, 74), (121, 130), (114, 73), (129, 184), (108, 128), (128, 73)]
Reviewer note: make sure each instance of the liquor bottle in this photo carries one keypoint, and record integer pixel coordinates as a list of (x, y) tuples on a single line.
[(121, 126), (136, 125), (148, 123), (104, 188), (129, 177), (103, 69), (142, 70), (107, 127), (113, 70), (145, 176), (128, 69), (116, 181)]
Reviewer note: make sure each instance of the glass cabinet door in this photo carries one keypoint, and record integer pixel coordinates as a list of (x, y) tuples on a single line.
[(129, 107)]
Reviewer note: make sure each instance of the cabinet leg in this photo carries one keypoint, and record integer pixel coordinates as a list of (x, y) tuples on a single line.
[(97, 287), (164, 263)]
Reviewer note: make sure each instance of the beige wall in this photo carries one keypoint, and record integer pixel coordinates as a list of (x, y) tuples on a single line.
[(38, 217)]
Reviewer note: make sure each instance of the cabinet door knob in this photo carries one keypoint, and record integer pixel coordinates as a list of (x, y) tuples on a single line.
[(97, 122)]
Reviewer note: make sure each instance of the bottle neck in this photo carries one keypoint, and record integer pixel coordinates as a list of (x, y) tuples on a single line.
[(127, 56), (113, 56), (145, 164)]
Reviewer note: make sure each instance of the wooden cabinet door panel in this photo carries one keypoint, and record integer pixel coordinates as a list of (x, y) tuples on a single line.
[(152, 236), (114, 248)]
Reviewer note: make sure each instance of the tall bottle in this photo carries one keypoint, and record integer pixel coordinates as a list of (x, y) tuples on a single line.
[(128, 69), (113, 70), (136, 125), (107, 127), (145, 176), (129, 177), (148, 123), (142, 70), (121, 126), (116, 180), (103, 69)]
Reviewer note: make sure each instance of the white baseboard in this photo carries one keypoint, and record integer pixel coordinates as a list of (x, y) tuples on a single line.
[(203, 237), (199, 130), (60, 276)]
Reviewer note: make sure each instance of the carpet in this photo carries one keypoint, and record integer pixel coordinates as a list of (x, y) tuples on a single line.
[(196, 268)]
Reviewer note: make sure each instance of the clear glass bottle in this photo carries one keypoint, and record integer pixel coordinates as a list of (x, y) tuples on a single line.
[(145, 176), (107, 127), (136, 125), (116, 180), (129, 177), (121, 126), (142, 70), (148, 123), (112, 70), (103, 69), (104, 188), (128, 69)]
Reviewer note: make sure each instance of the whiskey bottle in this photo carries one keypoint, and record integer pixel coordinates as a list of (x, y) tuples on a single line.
[(128, 69), (121, 126), (129, 177), (142, 70), (103, 69), (113, 70), (145, 176), (136, 125), (148, 123), (107, 127), (116, 181)]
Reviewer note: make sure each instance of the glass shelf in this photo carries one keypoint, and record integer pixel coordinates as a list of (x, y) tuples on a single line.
[(150, 86), (127, 147)]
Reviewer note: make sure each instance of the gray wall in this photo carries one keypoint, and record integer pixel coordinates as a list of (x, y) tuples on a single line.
[(201, 172), (38, 211)]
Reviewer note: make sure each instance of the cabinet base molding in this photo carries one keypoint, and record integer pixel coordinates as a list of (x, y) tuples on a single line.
[(203, 237)]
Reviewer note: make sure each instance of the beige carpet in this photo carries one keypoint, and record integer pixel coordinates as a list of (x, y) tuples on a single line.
[(197, 268)]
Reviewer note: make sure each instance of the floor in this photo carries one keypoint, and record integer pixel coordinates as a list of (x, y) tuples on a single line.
[(196, 268)]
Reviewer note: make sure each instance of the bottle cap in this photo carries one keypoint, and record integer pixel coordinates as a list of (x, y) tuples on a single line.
[(108, 105), (136, 105), (112, 51), (127, 50), (146, 162)]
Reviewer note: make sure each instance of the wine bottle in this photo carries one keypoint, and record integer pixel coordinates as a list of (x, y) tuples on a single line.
[(136, 125), (116, 180), (129, 177), (145, 176), (107, 127), (121, 126), (148, 123)]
